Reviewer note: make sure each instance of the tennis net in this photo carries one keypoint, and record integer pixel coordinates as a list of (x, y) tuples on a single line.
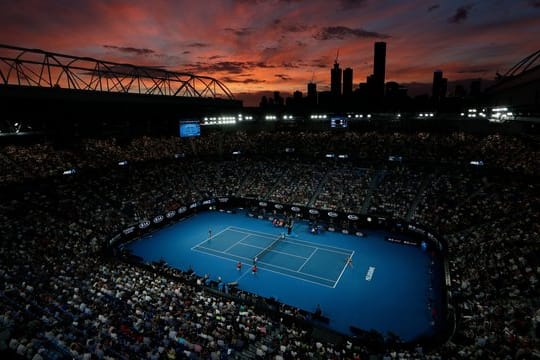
[(269, 248)]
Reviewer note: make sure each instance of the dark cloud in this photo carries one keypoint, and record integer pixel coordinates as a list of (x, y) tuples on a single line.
[(130, 50), (296, 28), (197, 44), (289, 65), (228, 79), (461, 14), (262, 64), (186, 52), (351, 4), (214, 57), (240, 31), (534, 3), (343, 32), (231, 67), (473, 70), (433, 7), (283, 77)]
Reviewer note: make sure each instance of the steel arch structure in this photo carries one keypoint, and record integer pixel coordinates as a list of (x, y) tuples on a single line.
[(33, 67), (524, 64)]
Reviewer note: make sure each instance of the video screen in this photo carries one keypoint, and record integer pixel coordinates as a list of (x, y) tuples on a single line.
[(338, 122), (190, 129)]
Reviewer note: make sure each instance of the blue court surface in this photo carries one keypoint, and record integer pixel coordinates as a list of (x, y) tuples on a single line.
[(386, 288)]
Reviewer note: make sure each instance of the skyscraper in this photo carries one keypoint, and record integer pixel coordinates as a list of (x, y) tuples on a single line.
[(335, 80), (347, 81), (438, 91), (379, 69), (312, 92)]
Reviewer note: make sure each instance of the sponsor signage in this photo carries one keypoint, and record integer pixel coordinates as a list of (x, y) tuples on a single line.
[(129, 230), (401, 241), (144, 224)]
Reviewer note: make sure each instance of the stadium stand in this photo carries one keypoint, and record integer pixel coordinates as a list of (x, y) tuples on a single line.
[(63, 296)]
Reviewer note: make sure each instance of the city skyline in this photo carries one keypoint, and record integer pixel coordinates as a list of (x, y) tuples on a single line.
[(260, 46)]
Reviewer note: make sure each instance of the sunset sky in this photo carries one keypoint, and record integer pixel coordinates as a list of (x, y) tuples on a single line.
[(255, 46)]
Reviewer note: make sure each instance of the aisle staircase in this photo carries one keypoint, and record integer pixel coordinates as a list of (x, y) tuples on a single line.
[(427, 180), (318, 189), (379, 176)]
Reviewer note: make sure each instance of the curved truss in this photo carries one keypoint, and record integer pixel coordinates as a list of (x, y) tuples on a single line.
[(34, 67), (525, 64)]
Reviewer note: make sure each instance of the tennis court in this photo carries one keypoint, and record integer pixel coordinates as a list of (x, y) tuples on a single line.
[(386, 288), (316, 263)]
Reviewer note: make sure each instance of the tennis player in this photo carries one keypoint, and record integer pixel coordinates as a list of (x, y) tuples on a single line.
[(349, 261), (239, 266), (209, 233)]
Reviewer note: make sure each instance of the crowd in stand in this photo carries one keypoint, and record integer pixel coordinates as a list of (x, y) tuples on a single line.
[(60, 297)]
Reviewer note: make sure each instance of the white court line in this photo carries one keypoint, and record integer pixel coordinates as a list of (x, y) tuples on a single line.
[(299, 278), (342, 271), (295, 241), (236, 243), (253, 246), (312, 245), (305, 262), (244, 274), (273, 265), (325, 247), (302, 243), (218, 256), (243, 230), (276, 251), (296, 271), (202, 242), (275, 272)]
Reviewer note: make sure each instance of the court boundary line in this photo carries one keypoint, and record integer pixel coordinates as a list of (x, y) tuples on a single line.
[(267, 263), (263, 262), (311, 244), (273, 271), (342, 271), (308, 258), (248, 233), (236, 243), (216, 234), (271, 250)]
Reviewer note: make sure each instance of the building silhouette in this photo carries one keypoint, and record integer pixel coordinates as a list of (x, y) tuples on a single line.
[(439, 87), (312, 93), (335, 80), (475, 88), (379, 70), (347, 82)]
